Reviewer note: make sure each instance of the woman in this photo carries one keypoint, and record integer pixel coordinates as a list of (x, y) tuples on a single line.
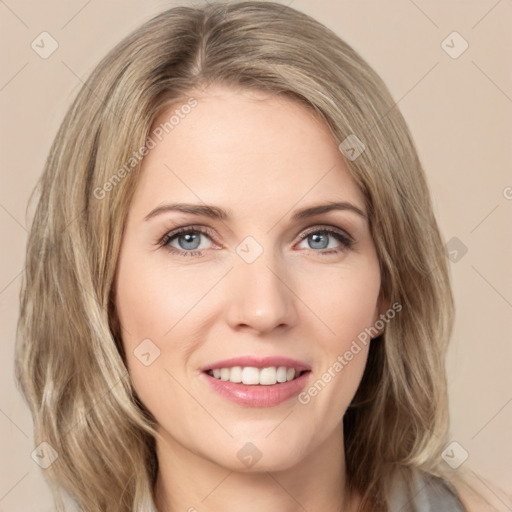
[(236, 293)]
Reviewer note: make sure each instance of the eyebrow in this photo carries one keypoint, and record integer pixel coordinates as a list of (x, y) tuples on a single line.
[(216, 212)]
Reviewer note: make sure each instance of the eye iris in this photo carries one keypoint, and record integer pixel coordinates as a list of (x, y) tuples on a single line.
[(319, 241), (190, 238)]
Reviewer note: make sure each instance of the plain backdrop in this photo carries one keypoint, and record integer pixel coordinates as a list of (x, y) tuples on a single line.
[(458, 104)]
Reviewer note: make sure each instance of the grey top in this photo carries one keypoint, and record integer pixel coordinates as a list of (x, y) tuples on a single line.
[(429, 494)]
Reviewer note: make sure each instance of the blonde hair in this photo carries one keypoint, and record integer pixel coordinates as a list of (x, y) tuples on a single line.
[(70, 360)]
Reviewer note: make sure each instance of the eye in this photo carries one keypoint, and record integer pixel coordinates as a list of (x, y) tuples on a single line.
[(193, 240), (319, 239), (188, 241)]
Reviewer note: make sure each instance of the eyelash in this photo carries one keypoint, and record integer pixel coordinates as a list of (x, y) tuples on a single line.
[(345, 240)]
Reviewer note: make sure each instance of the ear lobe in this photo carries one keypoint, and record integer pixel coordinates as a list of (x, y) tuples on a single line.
[(383, 304)]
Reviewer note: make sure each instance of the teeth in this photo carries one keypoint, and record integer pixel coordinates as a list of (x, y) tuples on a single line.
[(251, 376), (281, 374), (236, 374)]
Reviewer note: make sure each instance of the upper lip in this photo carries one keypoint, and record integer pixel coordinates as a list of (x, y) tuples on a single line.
[(258, 362)]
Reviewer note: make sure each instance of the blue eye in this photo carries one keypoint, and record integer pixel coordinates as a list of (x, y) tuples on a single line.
[(187, 241), (319, 239)]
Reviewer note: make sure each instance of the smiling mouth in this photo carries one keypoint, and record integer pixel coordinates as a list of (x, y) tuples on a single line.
[(252, 376)]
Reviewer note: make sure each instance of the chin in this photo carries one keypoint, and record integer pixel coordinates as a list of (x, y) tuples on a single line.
[(257, 455)]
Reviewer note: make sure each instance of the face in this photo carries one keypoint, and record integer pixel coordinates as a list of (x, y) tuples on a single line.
[(248, 275)]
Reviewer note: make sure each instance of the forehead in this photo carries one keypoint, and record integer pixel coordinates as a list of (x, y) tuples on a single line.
[(252, 149)]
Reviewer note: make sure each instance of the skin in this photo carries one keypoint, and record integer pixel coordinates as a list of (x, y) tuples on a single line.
[(260, 157)]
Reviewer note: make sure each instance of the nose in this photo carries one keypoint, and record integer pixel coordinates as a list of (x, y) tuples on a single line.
[(259, 296)]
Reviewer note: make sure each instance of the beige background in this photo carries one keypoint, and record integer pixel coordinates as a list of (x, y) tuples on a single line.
[(459, 111)]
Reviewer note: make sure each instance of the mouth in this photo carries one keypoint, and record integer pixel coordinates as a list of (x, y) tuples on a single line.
[(254, 382), (253, 376)]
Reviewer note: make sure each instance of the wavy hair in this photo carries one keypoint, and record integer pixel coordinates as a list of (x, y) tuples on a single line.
[(69, 357)]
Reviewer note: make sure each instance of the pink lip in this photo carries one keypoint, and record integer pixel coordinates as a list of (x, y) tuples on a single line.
[(257, 395), (259, 362)]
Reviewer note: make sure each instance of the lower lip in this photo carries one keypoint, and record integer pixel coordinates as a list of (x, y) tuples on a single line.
[(258, 395)]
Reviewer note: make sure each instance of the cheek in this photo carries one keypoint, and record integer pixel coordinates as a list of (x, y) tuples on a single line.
[(147, 309), (164, 311), (344, 299), (150, 312), (347, 307), (153, 299)]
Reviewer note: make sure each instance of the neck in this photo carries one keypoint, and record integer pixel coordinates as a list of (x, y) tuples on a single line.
[(189, 482)]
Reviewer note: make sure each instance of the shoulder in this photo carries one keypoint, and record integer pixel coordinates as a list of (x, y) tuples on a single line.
[(423, 492), (436, 495)]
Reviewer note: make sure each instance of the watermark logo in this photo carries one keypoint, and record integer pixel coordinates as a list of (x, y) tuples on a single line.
[(44, 45), (455, 249), (249, 454), (147, 352), (454, 45), (44, 455), (249, 249), (351, 147), (454, 455)]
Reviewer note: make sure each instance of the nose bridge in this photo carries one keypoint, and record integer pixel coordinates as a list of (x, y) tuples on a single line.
[(259, 295)]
